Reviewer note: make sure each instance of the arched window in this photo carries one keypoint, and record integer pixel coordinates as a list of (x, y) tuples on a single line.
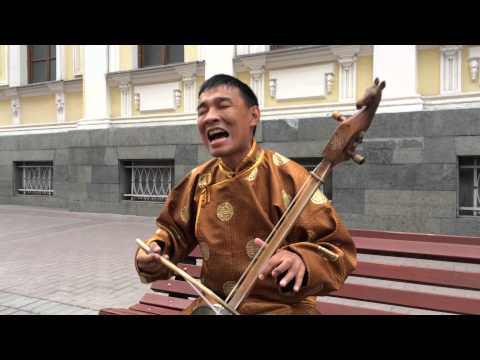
[(153, 55), (41, 63)]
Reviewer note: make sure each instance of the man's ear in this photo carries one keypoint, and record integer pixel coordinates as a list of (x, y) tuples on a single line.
[(254, 115)]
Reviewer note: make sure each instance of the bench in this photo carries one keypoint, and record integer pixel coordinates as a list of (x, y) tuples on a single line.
[(397, 273)]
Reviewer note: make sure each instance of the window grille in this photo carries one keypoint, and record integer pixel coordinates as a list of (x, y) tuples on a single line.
[(148, 181), (469, 179), (34, 178)]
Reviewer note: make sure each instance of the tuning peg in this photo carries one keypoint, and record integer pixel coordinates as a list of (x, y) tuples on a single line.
[(337, 116), (358, 159)]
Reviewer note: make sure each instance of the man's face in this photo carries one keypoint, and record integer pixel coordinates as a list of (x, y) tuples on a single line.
[(226, 122)]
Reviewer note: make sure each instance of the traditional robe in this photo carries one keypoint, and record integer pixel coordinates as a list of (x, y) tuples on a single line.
[(223, 210)]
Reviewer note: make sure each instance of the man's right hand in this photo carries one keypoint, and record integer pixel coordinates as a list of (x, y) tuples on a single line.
[(150, 263)]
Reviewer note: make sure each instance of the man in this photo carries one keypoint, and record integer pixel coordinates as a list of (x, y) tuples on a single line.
[(229, 204)]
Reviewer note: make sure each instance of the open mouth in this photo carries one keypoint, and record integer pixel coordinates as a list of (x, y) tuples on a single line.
[(216, 134)]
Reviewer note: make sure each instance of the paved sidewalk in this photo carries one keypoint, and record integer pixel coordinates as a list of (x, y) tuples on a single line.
[(53, 261)]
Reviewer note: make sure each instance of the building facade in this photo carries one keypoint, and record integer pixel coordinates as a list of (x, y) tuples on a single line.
[(111, 128)]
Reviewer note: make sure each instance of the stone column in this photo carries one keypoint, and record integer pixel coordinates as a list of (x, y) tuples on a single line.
[(218, 59), (95, 88)]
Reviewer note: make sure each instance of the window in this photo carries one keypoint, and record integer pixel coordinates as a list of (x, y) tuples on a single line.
[(469, 179), (152, 55), (146, 180), (34, 178), (41, 63), (310, 164)]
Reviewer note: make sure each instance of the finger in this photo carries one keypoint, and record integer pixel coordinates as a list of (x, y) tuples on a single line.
[(382, 85), (260, 242), (155, 248), (271, 264), (376, 81), (287, 278), (283, 267), (299, 279)]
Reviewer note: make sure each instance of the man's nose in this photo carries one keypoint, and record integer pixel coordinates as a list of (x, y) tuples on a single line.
[(211, 117)]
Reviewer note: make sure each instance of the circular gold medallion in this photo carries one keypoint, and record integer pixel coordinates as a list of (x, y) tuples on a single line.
[(286, 198), (204, 250), (228, 286), (253, 174), (225, 211), (279, 159), (319, 198), (251, 248)]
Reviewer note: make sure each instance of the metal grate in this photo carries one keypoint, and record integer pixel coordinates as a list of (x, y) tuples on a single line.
[(35, 179), (469, 180), (149, 182)]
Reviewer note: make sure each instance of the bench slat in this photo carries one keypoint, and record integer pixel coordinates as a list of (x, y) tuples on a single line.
[(165, 301), (327, 308), (120, 311), (173, 287), (455, 279), (429, 249), (410, 298), (435, 238), (154, 310)]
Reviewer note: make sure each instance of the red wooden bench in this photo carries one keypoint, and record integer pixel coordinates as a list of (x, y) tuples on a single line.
[(397, 273)]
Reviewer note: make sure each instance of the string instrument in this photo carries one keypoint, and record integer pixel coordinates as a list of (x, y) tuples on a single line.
[(341, 147)]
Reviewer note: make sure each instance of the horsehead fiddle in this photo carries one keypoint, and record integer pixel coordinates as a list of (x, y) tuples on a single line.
[(341, 147)]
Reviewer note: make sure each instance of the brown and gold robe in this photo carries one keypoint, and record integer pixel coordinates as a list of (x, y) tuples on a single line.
[(224, 210)]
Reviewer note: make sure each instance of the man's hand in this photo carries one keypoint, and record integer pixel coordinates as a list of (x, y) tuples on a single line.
[(150, 263), (284, 262)]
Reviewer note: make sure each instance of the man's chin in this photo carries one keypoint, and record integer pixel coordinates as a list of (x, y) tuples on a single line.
[(218, 152)]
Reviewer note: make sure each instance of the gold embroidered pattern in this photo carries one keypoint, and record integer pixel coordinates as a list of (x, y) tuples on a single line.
[(204, 180), (319, 198), (228, 286), (204, 250), (286, 198), (225, 211), (279, 159), (251, 248), (253, 174), (184, 214)]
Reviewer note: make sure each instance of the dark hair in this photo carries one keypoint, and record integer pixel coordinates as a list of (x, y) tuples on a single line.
[(222, 79)]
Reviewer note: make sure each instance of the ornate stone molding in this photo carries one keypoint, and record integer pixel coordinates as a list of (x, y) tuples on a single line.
[(256, 66), (188, 72), (60, 106), (347, 58), (329, 81), (474, 61), (125, 99), (451, 69), (177, 97), (15, 108), (77, 60)]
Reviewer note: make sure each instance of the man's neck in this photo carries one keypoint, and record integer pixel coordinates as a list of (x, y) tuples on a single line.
[(233, 161)]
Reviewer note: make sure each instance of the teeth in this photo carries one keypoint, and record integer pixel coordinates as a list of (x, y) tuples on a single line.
[(215, 131)]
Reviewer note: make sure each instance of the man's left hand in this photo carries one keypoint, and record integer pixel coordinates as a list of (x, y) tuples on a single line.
[(284, 262)]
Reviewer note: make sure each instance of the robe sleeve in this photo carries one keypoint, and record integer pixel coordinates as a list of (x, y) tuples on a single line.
[(319, 225), (175, 228)]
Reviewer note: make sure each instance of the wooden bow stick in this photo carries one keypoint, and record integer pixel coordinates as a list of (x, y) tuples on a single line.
[(191, 280)]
